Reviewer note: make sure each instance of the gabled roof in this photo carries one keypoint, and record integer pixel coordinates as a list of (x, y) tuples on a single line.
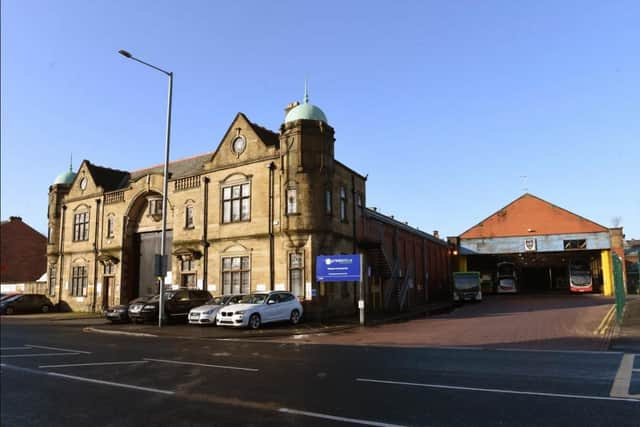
[(267, 136), (107, 178), (177, 169), (529, 215)]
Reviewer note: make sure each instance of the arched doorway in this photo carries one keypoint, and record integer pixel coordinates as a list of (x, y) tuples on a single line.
[(142, 241)]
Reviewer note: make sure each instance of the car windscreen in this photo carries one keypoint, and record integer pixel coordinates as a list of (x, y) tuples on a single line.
[(167, 296), (216, 301), (12, 298), (254, 299), (466, 282)]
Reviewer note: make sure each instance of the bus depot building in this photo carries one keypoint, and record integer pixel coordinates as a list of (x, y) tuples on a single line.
[(548, 248)]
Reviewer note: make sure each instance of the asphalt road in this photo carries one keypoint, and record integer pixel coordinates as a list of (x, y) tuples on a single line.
[(61, 376)]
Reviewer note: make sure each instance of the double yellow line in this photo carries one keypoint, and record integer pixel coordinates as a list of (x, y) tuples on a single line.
[(604, 325)]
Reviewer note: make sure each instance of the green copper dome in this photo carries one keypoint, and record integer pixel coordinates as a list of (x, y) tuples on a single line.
[(65, 178), (305, 111)]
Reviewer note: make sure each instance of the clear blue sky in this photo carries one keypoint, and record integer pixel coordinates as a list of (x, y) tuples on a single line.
[(445, 105)]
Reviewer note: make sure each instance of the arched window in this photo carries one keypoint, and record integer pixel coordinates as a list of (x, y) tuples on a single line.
[(111, 226), (343, 204), (188, 216)]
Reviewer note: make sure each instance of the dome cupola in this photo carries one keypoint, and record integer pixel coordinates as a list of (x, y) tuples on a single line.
[(305, 111), (66, 177)]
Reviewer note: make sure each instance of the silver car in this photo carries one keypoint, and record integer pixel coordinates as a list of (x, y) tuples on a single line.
[(261, 307), (206, 314)]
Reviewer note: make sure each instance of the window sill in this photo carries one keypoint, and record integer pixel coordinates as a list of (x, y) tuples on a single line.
[(236, 222), (293, 214)]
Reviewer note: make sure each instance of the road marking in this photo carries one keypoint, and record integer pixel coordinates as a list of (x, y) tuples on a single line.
[(60, 349), (335, 418), (91, 380), (604, 323), (13, 348), (105, 331), (525, 350), (4, 356), (622, 381), (202, 364), (92, 364), (496, 390)]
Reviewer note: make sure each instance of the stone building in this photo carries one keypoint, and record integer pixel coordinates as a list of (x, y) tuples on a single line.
[(250, 216)]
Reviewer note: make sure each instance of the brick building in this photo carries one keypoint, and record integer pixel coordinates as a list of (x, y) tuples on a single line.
[(250, 216), (543, 241), (23, 257)]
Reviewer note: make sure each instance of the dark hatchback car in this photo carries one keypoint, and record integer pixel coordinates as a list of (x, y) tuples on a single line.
[(120, 313), (26, 303), (177, 304)]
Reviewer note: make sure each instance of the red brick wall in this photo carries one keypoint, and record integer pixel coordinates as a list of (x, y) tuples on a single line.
[(531, 213), (23, 252)]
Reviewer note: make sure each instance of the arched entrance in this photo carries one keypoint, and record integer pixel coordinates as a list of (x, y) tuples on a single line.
[(142, 241)]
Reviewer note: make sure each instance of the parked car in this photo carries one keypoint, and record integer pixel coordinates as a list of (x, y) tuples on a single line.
[(26, 303), (5, 295), (206, 314), (120, 313), (261, 307), (177, 304)]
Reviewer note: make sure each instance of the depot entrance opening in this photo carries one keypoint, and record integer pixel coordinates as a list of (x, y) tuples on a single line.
[(561, 272)]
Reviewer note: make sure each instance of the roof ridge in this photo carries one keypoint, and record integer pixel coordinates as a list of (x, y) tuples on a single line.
[(173, 162)]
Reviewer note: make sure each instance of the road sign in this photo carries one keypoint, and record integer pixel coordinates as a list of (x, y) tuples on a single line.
[(338, 268)]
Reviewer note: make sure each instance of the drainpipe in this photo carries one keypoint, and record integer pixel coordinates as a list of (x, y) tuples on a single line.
[(272, 168), (95, 258), (205, 242), (61, 258), (355, 249)]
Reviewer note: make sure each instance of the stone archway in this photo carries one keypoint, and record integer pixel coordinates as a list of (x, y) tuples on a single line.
[(142, 241)]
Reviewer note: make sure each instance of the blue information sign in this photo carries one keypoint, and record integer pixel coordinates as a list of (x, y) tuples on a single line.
[(338, 268)]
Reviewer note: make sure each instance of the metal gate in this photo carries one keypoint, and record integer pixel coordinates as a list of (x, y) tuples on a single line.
[(618, 286)]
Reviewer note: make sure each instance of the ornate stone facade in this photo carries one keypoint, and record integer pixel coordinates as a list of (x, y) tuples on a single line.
[(250, 216)]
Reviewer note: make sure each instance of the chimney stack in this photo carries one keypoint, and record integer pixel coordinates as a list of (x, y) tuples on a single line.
[(436, 234), (290, 106)]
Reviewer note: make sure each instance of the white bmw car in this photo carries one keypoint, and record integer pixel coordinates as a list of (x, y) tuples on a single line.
[(206, 314), (262, 307)]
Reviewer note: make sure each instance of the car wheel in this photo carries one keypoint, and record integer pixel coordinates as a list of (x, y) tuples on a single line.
[(45, 309), (295, 317), (9, 310), (254, 321)]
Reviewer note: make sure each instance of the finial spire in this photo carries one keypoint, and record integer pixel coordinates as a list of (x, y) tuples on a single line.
[(71, 162), (306, 92)]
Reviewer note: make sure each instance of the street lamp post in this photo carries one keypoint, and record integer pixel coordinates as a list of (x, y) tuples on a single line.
[(163, 245)]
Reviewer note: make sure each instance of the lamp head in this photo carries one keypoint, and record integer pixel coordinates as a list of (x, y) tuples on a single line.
[(125, 53)]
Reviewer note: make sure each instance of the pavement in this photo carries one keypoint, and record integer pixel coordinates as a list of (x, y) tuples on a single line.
[(534, 322), (627, 335), (531, 322)]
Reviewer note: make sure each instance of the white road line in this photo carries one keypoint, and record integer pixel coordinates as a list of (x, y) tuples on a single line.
[(525, 350), (496, 390), (91, 380), (622, 381), (334, 418), (92, 364), (202, 364), (5, 356), (14, 348), (56, 348)]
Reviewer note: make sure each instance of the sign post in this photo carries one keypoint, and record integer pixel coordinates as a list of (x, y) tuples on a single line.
[(342, 268)]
